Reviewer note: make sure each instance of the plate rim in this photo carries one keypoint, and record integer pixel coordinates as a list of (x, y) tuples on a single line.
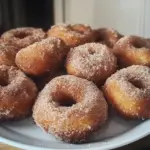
[(142, 130)]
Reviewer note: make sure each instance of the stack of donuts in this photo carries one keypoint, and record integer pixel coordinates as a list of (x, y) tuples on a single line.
[(69, 76)]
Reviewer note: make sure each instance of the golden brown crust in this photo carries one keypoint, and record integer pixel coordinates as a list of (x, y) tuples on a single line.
[(72, 35), (92, 61), (73, 123), (17, 94), (128, 91), (41, 57), (132, 50), (22, 37), (107, 36), (7, 54)]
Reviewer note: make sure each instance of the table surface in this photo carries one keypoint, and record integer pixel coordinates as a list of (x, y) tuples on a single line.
[(143, 144)]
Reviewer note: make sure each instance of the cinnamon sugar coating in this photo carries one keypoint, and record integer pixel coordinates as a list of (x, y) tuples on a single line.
[(128, 90), (22, 37), (107, 36), (72, 35), (72, 123), (41, 57), (7, 54), (132, 50), (92, 61), (17, 94)]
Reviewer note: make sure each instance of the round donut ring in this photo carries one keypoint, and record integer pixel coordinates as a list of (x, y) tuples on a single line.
[(17, 94), (132, 50), (70, 108), (92, 61), (107, 36), (22, 37), (128, 91), (42, 57), (72, 35)]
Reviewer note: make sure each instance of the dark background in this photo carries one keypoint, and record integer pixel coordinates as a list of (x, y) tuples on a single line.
[(21, 13)]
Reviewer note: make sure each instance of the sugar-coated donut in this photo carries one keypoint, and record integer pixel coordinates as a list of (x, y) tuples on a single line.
[(92, 61), (128, 91), (17, 94), (72, 35), (148, 41), (132, 50), (70, 108), (41, 57), (7, 54), (107, 36), (22, 37)]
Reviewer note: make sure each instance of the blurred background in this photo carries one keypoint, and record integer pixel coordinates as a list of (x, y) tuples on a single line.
[(126, 16), (18, 13)]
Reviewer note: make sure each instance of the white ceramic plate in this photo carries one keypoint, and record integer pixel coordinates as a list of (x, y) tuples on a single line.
[(117, 132)]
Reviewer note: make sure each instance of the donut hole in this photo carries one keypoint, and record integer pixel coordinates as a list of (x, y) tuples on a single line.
[(64, 100), (136, 83), (4, 81), (91, 51), (21, 35)]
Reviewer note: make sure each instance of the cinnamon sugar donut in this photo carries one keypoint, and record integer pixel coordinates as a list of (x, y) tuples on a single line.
[(128, 91), (148, 41), (92, 61), (17, 94), (22, 37), (41, 57), (107, 36), (7, 54), (132, 50), (70, 108), (72, 35)]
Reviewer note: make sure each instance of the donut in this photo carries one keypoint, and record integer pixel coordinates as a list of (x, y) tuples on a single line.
[(107, 36), (7, 54), (17, 94), (132, 50), (92, 61), (148, 42), (128, 90), (70, 108), (72, 35), (41, 57), (1, 41), (22, 37)]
